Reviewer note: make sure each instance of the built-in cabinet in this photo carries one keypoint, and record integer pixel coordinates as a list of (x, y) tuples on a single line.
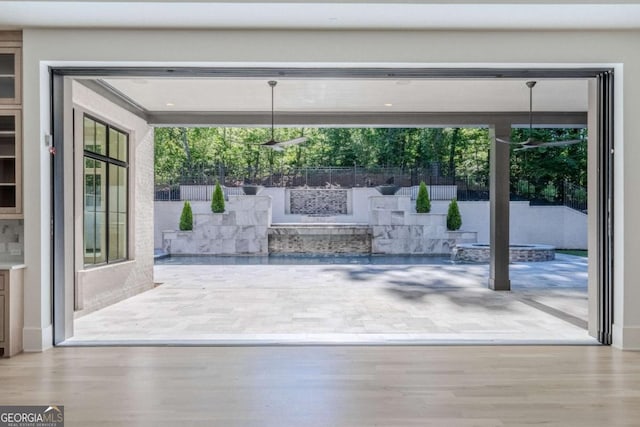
[(10, 126), (11, 310), (10, 75), (10, 164)]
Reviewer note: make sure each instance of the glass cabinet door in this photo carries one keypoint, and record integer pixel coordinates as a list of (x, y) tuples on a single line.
[(10, 76), (10, 164)]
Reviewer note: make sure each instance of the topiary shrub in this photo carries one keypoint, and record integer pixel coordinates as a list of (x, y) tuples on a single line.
[(454, 220), (186, 217), (423, 204), (217, 199)]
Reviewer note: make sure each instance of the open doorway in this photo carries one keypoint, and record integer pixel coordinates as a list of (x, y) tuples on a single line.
[(366, 274)]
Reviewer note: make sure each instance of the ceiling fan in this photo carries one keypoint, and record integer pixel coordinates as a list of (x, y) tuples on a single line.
[(272, 143), (530, 142)]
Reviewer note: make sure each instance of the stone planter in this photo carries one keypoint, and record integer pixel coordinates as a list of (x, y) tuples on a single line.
[(388, 190), (242, 229), (251, 190)]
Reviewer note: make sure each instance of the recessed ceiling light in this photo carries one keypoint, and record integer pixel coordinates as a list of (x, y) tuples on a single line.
[(333, 19), (170, 104), (388, 104)]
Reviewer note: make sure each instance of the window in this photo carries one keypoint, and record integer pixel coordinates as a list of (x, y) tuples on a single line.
[(105, 193)]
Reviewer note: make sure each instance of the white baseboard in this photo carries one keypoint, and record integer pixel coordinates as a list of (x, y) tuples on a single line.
[(626, 338), (37, 339)]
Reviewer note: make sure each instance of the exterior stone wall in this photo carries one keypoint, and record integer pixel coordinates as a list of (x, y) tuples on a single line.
[(396, 231), (101, 286), (241, 229), (517, 253), (325, 239), (558, 226), (319, 201)]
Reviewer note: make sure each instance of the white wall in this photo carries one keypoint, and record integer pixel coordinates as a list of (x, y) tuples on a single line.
[(523, 49), (558, 226)]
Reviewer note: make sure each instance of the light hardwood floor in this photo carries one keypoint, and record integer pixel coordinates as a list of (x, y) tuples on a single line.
[(330, 386)]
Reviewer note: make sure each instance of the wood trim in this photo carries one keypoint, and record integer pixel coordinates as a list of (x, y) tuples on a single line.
[(19, 162), (11, 36), (12, 321)]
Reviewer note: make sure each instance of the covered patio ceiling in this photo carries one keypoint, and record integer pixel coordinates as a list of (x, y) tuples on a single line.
[(212, 101)]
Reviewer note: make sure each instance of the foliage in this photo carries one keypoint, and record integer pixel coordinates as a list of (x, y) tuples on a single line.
[(454, 220), (423, 204), (217, 199), (547, 168), (186, 217), (550, 191), (197, 153), (180, 150)]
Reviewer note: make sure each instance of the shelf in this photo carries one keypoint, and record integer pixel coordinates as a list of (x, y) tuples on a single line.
[(7, 124), (7, 62), (8, 170), (7, 196), (7, 146)]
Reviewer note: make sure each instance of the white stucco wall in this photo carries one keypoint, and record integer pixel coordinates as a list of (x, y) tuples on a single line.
[(558, 226), (523, 49)]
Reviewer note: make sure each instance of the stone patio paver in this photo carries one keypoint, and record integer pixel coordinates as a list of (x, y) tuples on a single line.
[(349, 304)]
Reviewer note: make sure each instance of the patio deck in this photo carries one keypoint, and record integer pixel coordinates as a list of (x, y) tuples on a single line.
[(348, 304)]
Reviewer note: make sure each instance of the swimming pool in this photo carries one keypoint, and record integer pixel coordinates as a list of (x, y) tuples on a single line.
[(304, 259)]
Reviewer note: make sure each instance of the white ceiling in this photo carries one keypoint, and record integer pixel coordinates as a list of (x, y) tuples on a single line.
[(352, 95), (326, 14)]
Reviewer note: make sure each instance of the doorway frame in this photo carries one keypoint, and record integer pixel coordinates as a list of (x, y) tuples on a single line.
[(62, 307)]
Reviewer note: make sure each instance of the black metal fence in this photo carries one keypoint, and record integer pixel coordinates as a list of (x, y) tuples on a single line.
[(292, 177), (543, 193), (330, 176)]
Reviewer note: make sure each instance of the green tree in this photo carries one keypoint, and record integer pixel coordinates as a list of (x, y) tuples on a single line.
[(423, 204), (169, 154), (200, 154), (217, 199), (454, 220), (186, 217)]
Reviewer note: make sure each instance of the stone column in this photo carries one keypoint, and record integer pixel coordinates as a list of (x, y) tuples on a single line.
[(499, 207)]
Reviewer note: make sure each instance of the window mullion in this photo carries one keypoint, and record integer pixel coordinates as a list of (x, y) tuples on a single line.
[(111, 164)]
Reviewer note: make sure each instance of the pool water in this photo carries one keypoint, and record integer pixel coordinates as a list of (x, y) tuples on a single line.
[(301, 259)]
